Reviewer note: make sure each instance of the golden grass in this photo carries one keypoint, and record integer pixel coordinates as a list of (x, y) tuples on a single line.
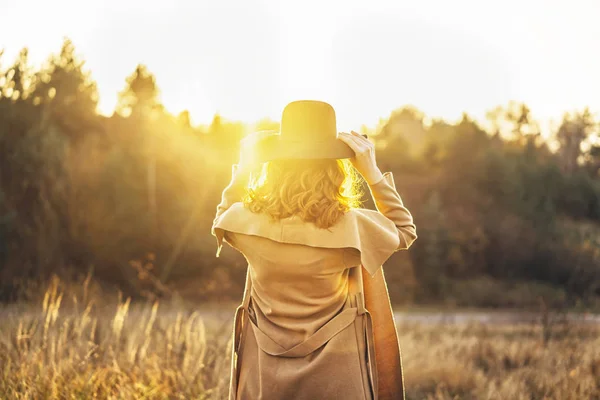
[(87, 346), (111, 351), (500, 362)]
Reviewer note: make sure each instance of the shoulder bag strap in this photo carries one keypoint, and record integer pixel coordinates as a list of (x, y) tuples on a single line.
[(387, 347)]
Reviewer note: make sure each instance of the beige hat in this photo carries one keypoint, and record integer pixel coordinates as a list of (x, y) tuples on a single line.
[(308, 131)]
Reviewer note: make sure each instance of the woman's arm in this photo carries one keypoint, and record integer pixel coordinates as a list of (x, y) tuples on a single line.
[(382, 187), (235, 190), (232, 193), (389, 203), (240, 172), (240, 176)]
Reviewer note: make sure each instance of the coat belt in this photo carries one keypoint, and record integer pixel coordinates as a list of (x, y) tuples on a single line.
[(310, 344)]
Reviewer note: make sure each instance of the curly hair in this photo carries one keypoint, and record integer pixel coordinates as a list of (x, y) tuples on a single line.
[(318, 190)]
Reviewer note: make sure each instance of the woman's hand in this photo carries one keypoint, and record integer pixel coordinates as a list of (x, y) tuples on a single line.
[(364, 156)]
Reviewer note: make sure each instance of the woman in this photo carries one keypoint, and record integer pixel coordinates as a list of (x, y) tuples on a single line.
[(308, 328)]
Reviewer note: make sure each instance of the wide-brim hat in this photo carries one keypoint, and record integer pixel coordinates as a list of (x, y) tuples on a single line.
[(308, 131)]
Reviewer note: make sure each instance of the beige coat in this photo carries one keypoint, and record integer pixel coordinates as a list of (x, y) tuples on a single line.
[(311, 324)]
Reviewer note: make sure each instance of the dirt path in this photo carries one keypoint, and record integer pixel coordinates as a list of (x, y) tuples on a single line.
[(489, 317)]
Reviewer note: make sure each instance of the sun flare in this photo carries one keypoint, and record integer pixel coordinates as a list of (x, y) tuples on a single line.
[(246, 60)]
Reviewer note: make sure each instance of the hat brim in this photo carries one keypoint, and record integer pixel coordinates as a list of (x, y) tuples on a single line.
[(276, 148)]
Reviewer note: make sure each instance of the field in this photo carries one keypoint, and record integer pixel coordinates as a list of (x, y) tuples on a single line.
[(82, 344)]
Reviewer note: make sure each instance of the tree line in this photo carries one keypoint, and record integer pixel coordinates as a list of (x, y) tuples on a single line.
[(504, 214)]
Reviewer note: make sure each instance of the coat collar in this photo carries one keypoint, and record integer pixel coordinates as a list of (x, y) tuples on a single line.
[(368, 231)]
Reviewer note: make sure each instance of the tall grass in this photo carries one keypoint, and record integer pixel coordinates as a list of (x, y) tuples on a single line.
[(500, 362), (81, 343), (97, 348)]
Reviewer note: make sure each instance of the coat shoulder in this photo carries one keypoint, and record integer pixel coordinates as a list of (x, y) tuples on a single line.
[(356, 221), (368, 231)]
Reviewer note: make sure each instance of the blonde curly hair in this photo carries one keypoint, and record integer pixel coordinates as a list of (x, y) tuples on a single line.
[(318, 190)]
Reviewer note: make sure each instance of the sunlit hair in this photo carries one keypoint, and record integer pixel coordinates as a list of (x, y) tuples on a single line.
[(318, 191)]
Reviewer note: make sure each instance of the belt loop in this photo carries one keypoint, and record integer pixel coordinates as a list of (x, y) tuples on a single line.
[(251, 312), (360, 304), (355, 288)]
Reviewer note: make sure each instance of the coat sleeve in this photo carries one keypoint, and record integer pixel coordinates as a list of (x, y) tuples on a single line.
[(389, 203), (232, 193)]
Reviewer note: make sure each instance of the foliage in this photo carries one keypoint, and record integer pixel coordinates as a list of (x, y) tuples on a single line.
[(79, 189)]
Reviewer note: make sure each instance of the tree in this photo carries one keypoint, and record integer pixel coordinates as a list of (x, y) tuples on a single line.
[(17, 79), (184, 120), (437, 140), (520, 117), (513, 121), (67, 92), (140, 96), (432, 253), (404, 126), (592, 160), (573, 131)]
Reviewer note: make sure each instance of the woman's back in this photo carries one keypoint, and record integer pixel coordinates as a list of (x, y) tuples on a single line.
[(296, 288)]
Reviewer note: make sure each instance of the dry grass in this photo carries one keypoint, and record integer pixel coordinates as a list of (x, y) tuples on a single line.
[(85, 345), (69, 349), (501, 362)]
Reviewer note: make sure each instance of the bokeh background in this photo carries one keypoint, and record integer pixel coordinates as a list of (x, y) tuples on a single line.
[(119, 123), (505, 215)]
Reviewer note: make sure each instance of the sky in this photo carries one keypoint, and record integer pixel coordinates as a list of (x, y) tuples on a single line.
[(246, 59)]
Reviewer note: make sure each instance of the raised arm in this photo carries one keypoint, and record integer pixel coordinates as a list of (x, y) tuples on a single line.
[(234, 191), (240, 173), (389, 203), (382, 187)]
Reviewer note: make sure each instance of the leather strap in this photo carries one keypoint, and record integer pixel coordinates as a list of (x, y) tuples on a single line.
[(387, 348)]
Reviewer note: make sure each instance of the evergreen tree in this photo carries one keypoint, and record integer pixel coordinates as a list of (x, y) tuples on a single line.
[(68, 93), (571, 134), (139, 99)]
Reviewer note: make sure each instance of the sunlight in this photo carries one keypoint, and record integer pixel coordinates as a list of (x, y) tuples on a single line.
[(131, 137), (246, 60)]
